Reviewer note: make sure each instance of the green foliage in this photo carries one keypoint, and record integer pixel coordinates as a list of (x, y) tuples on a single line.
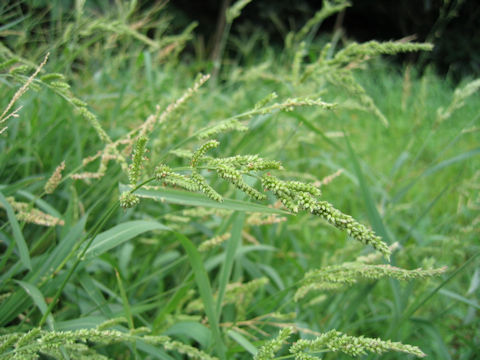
[(206, 249)]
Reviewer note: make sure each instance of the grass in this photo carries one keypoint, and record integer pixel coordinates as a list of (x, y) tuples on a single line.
[(138, 271)]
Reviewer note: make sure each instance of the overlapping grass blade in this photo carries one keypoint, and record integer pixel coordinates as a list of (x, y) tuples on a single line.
[(205, 289), (23, 251), (119, 234), (192, 199)]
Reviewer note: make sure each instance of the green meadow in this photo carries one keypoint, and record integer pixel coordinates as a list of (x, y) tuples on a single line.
[(314, 201)]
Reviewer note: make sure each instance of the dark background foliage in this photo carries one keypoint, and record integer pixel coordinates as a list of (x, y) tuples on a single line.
[(453, 26)]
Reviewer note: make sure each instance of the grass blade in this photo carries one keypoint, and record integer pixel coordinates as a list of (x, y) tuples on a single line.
[(119, 234), (372, 212), (17, 234), (192, 199), (423, 301), (201, 278), (434, 169), (243, 342), (38, 299), (126, 304), (227, 265), (460, 298)]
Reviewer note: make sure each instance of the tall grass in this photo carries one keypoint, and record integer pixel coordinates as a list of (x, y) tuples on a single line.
[(192, 264)]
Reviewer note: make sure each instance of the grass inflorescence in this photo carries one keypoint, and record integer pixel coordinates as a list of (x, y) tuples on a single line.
[(148, 215)]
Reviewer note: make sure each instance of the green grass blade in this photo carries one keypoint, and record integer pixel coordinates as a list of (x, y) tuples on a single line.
[(372, 212), (194, 330), (427, 298), (119, 234), (434, 169), (460, 298), (17, 234), (243, 342), (203, 283), (95, 294), (38, 299), (172, 303), (192, 199), (126, 304), (451, 161), (61, 253), (227, 265)]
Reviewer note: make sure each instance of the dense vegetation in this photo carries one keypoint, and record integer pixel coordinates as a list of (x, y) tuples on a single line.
[(150, 211)]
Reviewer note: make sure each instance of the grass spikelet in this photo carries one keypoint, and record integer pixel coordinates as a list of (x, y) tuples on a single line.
[(57, 343), (5, 114), (25, 212), (235, 177), (166, 175), (370, 258), (289, 105), (87, 175), (247, 163), (55, 179), (93, 121), (148, 125), (268, 350), (335, 341), (8, 63), (353, 228), (52, 77), (128, 200), (356, 52), (459, 97), (257, 219), (333, 277), (328, 179), (270, 97), (201, 151), (297, 62), (111, 323), (27, 338), (235, 10), (345, 80), (281, 191), (187, 350), (202, 184), (135, 167), (221, 127), (299, 186), (181, 153), (328, 9), (213, 242)]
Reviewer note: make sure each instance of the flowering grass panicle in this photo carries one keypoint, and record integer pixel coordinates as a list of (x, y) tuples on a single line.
[(271, 347), (74, 343), (128, 200), (213, 242), (136, 165), (6, 114), (55, 179), (204, 187), (353, 228), (221, 127), (335, 277), (335, 341), (27, 213), (201, 151)]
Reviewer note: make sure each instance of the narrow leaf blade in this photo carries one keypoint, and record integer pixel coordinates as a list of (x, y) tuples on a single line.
[(17, 234), (119, 234)]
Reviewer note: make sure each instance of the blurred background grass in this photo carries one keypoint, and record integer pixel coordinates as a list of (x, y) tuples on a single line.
[(419, 174)]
